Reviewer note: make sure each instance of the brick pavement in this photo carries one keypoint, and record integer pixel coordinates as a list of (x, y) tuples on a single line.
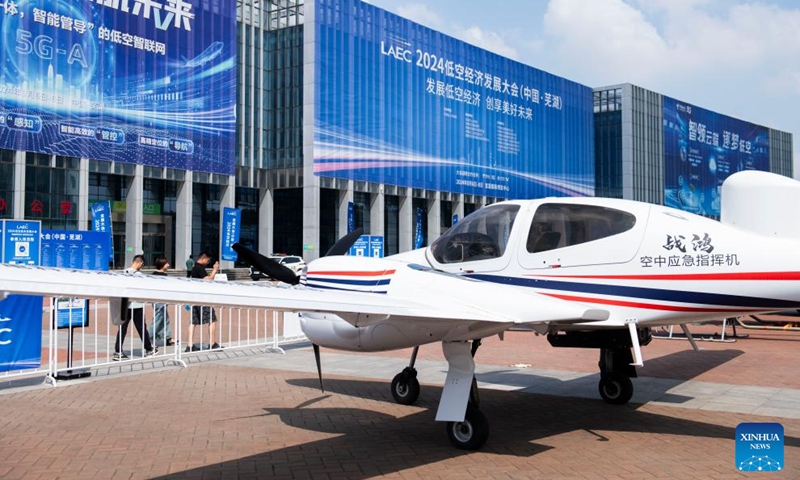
[(219, 421)]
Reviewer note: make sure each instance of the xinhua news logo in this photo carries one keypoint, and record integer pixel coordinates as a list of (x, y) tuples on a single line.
[(759, 447)]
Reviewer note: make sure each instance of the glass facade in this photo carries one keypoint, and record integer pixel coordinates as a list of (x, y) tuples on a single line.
[(51, 192), (6, 184), (391, 225), (361, 202), (288, 221), (247, 202), (328, 218), (160, 213), (205, 219)]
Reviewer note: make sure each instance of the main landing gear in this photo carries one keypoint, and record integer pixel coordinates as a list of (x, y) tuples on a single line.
[(467, 427), (617, 363)]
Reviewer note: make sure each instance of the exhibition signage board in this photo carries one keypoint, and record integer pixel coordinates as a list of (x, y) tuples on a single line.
[(399, 103), (79, 249), (367, 246), (148, 82), (231, 228), (701, 149)]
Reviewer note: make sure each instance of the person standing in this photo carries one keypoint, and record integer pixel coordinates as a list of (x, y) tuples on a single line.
[(202, 315), (189, 266), (160, 329), (135, 313)]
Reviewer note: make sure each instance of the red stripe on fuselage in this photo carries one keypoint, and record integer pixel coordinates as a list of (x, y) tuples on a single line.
[(781, 276), (350, 273), (649, 306)]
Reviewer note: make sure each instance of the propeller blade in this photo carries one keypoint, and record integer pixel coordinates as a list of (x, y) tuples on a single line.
[(343, 245), (267, 266), (319, 365)]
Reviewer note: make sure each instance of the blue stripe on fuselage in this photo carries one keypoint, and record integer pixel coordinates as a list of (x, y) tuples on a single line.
[(679, 296)]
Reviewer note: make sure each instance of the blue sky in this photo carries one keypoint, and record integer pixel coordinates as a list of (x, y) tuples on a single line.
[(738, 58)]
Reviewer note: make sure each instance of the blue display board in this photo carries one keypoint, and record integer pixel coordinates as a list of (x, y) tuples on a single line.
[(21, 242), (703, 148), (231, 228), (367, 246), (398, 103), (150, 82), (71, 312), (20, 332), (77, 249), (101, 222)]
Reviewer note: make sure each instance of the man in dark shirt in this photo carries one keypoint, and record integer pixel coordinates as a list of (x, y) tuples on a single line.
[(202, 315)]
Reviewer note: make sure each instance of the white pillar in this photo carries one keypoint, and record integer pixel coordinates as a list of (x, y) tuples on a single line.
[(266, 228), (83, 195), (434, 220), (227, 199), (458, 206), (377, 213), (311, 193), (18, 192), (405, 228), (345, 197), (134, 215), (183, 222)]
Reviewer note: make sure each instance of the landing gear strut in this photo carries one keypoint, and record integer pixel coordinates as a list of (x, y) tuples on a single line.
[(615, 384), (473, 431), (405, 386)]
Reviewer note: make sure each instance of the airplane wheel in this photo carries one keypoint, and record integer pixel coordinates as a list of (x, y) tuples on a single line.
[(405, 389), (616, 388), (470, 434)]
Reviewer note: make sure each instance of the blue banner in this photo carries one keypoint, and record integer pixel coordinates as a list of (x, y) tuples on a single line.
[(419, 235), (376, 246), (71, 312), (77, 249), (231, 225), (21, 242), (150, 82), (351, 217), (455, 220), (101, 222), (367, 246), (703, 148), (20, 332), (437, 113)]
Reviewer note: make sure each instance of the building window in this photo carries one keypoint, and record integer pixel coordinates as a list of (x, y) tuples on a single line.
[(6, 184), (51, 193)]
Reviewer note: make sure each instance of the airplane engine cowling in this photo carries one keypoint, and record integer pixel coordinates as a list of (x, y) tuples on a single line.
[(331, 331)]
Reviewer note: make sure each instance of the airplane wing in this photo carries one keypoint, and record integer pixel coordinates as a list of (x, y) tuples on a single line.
[(433, 296)]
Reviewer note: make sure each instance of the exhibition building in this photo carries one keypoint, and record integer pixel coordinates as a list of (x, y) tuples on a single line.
[(316, 117)]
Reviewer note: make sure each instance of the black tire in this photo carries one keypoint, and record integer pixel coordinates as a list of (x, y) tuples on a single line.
[(616, 388), (470, 434), (254, 277), (405, 389)]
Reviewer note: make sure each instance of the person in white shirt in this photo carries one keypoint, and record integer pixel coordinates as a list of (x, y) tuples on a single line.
[(135, 313)]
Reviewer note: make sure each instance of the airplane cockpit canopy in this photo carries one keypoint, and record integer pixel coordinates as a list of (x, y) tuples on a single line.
[(557, 225), (481, 235)]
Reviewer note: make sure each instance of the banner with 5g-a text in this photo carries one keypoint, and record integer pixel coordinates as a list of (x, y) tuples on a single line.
[(399, 103), (151, 82)]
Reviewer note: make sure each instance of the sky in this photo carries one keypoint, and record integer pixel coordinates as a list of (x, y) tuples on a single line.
[(739, 58)]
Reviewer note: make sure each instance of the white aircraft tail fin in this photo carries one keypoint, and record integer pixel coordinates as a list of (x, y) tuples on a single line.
[(761, 202)]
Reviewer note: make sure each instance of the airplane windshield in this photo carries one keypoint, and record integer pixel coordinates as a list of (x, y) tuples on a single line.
[(481, 235)]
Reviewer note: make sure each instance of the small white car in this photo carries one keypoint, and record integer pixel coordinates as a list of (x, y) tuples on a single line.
[(292, 262)]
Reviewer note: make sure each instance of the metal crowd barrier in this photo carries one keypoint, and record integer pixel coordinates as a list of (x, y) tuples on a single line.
[(69, 353)]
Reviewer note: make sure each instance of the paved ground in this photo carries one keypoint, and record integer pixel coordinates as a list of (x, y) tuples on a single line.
[(253, 415)]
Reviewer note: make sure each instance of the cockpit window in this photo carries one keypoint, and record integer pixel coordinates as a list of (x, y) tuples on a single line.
[(480, 236), (557, 225)]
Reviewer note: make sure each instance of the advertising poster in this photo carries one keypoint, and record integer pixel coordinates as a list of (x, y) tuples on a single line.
[(398, 103), (150, 82), (76, 249), (231, 228), (21, 242), (101, 222), (703, 148)]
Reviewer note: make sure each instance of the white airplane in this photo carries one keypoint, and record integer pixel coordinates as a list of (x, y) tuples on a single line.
[(587, 272)]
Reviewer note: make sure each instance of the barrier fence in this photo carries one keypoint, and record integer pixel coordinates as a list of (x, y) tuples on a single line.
[(72, 352)]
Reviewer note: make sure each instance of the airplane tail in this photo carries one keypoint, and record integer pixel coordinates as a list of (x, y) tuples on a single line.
[(761, 202)]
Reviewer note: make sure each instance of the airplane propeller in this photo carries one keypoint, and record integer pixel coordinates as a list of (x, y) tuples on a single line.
[(277, 271), (265, 265)]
